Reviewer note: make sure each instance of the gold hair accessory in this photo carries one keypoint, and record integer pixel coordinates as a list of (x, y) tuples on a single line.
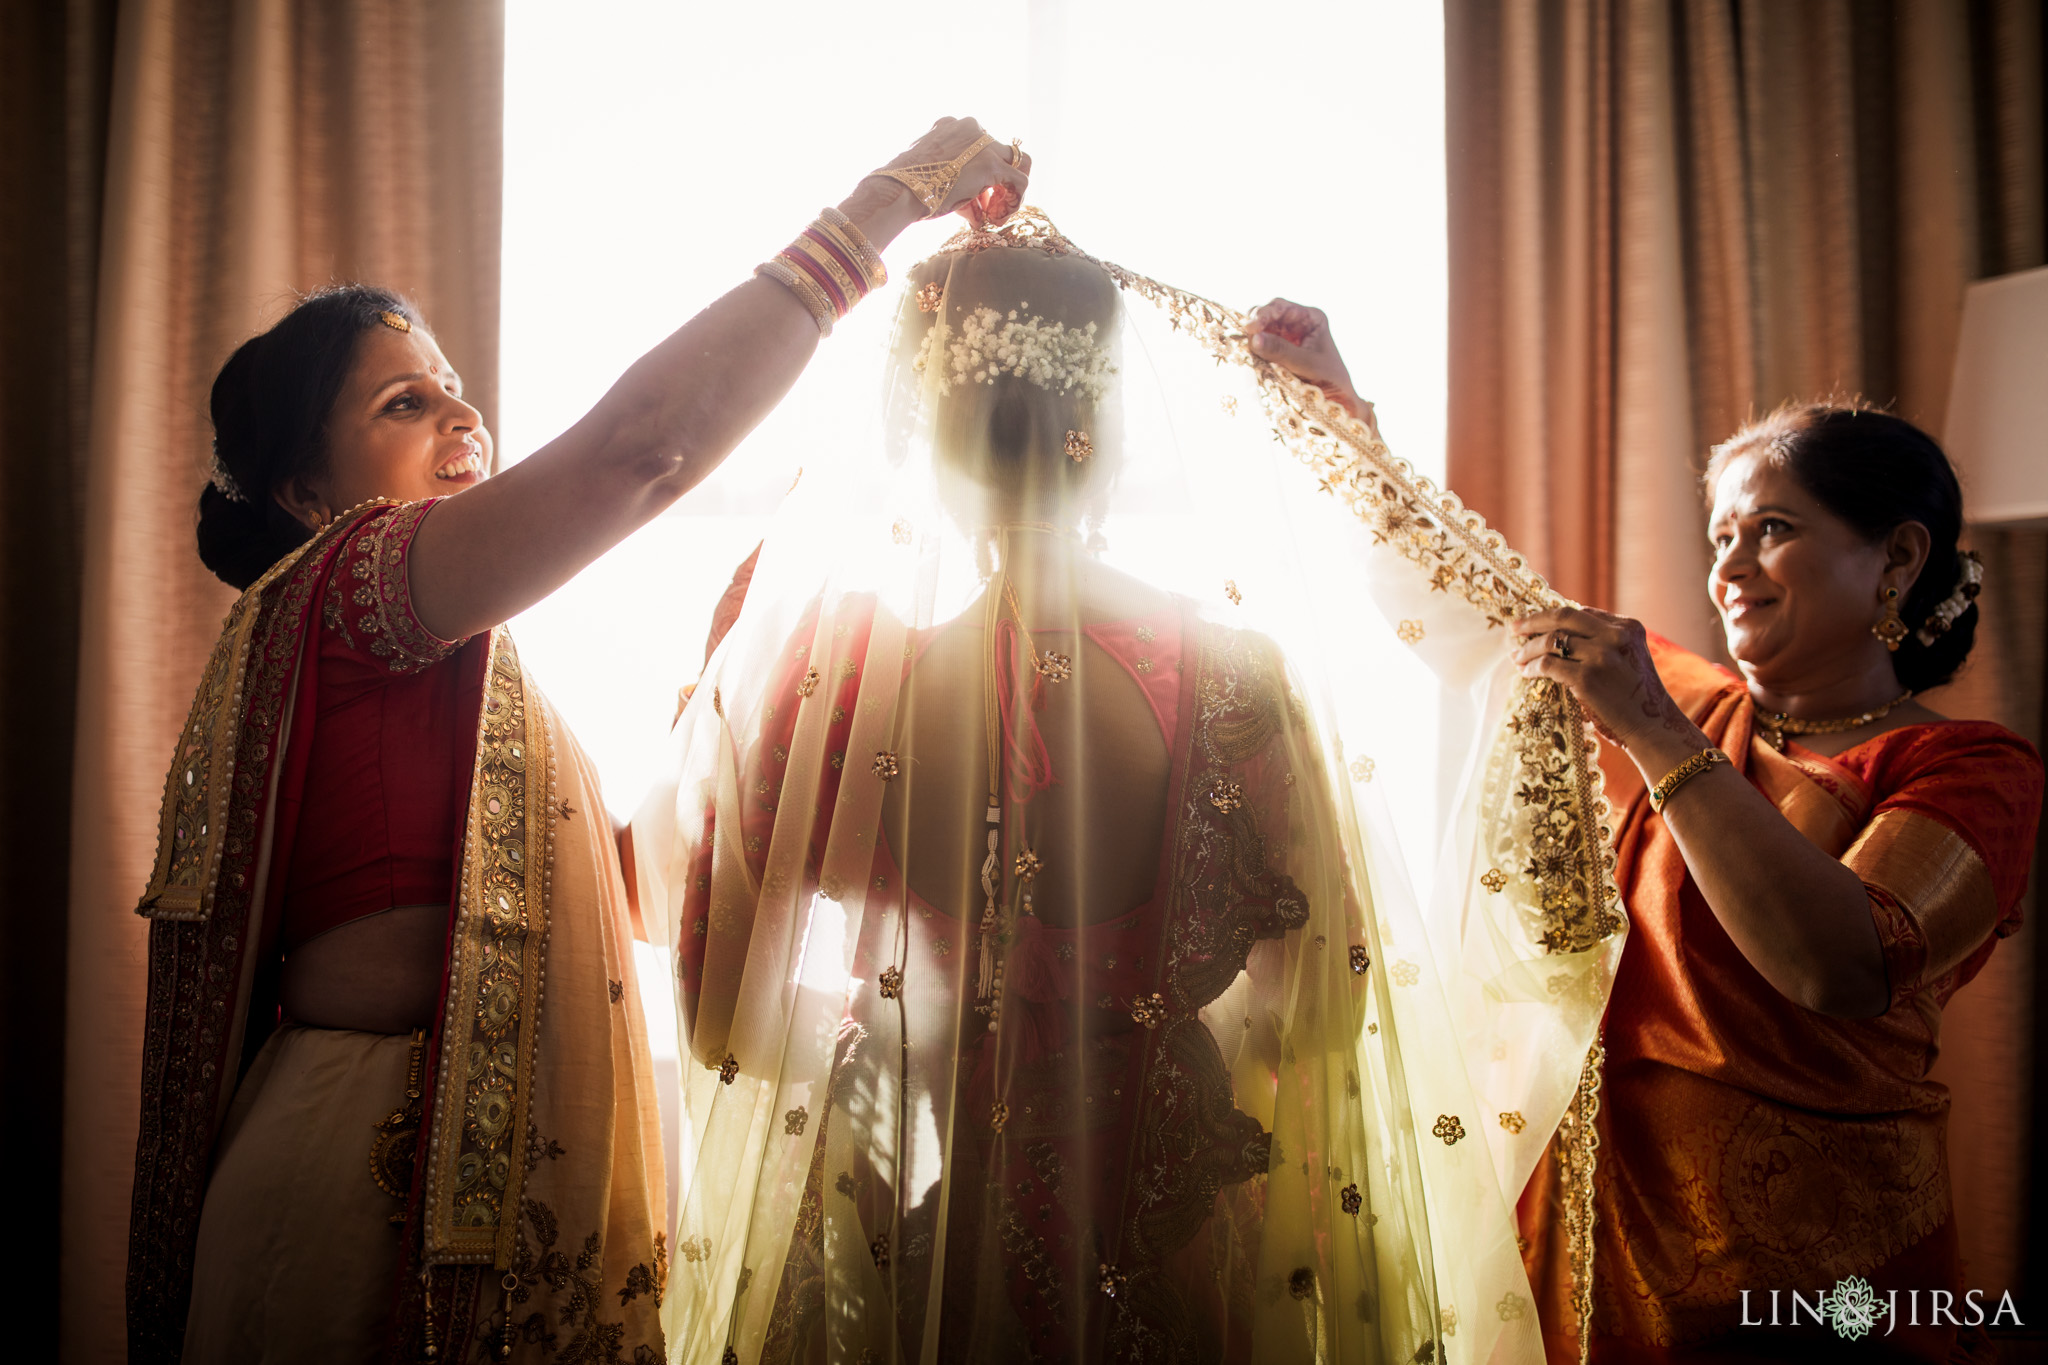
[(928, 298), (932, 181), (1777, 724), (1889, 627), (1682, 774), (1079, 447), (395, 321)]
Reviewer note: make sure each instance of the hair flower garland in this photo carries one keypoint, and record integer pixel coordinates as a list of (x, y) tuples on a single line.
[(1052, 355)]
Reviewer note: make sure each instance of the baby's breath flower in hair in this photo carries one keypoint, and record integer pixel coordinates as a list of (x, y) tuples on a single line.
[(1052, 355)]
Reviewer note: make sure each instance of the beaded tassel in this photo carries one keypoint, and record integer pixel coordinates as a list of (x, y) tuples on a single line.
[(985, 977)]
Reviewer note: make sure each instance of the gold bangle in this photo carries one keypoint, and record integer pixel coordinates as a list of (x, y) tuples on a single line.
[(806, 292), (850, 288), (1682, 774), (856, 242)]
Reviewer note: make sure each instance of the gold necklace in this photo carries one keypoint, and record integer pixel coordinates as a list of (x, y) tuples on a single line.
[(1776, 724)]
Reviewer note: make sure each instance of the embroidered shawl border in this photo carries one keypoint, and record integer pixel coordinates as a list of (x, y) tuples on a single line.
[(476, 1150)]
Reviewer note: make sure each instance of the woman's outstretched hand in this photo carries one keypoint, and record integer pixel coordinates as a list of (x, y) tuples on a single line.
[(988, 188), (1297, 339), (1605, 660)]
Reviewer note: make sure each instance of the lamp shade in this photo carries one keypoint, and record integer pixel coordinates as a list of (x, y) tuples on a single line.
[(1996, 432)]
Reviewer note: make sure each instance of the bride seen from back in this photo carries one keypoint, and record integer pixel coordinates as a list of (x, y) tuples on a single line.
[(1049, 983)]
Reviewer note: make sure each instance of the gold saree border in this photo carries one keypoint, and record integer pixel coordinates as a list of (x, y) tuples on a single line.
[(196, 830), (1935, 877), (490, 1032)]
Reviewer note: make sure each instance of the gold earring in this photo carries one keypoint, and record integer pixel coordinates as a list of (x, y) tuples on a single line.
[(1079, 447), (1890, 628)]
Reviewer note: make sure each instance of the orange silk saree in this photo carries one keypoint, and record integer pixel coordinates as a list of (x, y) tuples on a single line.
[(1746, 1143)]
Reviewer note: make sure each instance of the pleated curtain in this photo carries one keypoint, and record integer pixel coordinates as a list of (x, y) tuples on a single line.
[(194, 165)]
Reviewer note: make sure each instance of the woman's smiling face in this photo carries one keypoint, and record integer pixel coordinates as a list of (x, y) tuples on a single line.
[(1797, 588), (400, 428)]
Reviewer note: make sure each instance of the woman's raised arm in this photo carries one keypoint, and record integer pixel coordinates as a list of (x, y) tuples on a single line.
[(483, 556)]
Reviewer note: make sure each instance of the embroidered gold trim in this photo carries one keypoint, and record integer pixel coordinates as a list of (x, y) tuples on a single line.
[(192, 829), (475, 1164)]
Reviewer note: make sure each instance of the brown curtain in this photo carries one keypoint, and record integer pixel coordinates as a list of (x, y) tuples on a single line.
[(1666, 215), (172, 173)]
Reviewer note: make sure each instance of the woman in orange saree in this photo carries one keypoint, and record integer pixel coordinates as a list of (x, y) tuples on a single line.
[(1814, 864), (381, 861)]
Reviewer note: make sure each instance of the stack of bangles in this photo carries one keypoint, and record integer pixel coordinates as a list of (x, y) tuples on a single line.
[(830, 267)]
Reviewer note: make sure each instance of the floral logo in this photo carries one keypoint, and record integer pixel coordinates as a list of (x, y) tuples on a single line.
[(1851, 1307)]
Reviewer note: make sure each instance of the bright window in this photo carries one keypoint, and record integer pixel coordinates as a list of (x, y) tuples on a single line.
[(655, 152)]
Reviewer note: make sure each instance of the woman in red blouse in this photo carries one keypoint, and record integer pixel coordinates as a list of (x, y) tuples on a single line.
[(1813, 862), (396, 1093)]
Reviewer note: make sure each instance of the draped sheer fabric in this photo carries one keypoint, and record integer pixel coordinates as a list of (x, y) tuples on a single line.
[(1049, 978)]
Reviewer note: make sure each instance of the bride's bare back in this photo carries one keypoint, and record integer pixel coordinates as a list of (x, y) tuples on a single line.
[(1098, 829)]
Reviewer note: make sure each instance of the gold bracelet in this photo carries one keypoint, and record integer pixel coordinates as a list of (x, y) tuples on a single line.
[(932, 181), (807, 293), (1682, 774), (842, 227)]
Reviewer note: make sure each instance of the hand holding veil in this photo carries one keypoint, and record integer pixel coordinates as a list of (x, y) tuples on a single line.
[(1050, 984)]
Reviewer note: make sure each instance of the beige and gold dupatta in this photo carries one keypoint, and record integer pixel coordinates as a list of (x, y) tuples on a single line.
[(536, 1225)]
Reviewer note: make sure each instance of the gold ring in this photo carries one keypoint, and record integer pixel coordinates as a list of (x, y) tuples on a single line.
[(1017, 151)]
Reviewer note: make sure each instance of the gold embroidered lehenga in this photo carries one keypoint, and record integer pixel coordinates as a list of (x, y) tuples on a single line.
[(1049, 981), (272, 1159)]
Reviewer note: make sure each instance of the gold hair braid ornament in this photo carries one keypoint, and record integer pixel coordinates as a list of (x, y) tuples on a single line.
[(1555, 750), (932, 181)]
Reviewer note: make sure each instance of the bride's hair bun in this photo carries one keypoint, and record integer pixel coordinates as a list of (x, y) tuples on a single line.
[(1037, 335), (270, 406)]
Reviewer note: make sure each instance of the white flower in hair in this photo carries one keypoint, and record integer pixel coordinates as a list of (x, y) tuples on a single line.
[(1052, 355)]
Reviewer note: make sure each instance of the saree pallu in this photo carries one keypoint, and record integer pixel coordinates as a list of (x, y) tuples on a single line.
[(1748, 1143), (534, 1226)]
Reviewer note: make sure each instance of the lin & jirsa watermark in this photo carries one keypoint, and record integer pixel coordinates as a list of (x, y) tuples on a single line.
[(1853, 1309)]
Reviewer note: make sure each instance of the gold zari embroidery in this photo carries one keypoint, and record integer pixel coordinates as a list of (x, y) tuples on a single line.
[(475, 1167)]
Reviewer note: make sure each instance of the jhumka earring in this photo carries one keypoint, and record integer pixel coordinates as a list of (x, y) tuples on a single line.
[(1890, 628)]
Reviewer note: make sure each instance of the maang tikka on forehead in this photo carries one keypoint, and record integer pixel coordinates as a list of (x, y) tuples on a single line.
[(395, 321)]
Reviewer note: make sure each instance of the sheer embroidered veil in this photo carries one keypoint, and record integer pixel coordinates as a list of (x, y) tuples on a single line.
[(1050, 982)]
